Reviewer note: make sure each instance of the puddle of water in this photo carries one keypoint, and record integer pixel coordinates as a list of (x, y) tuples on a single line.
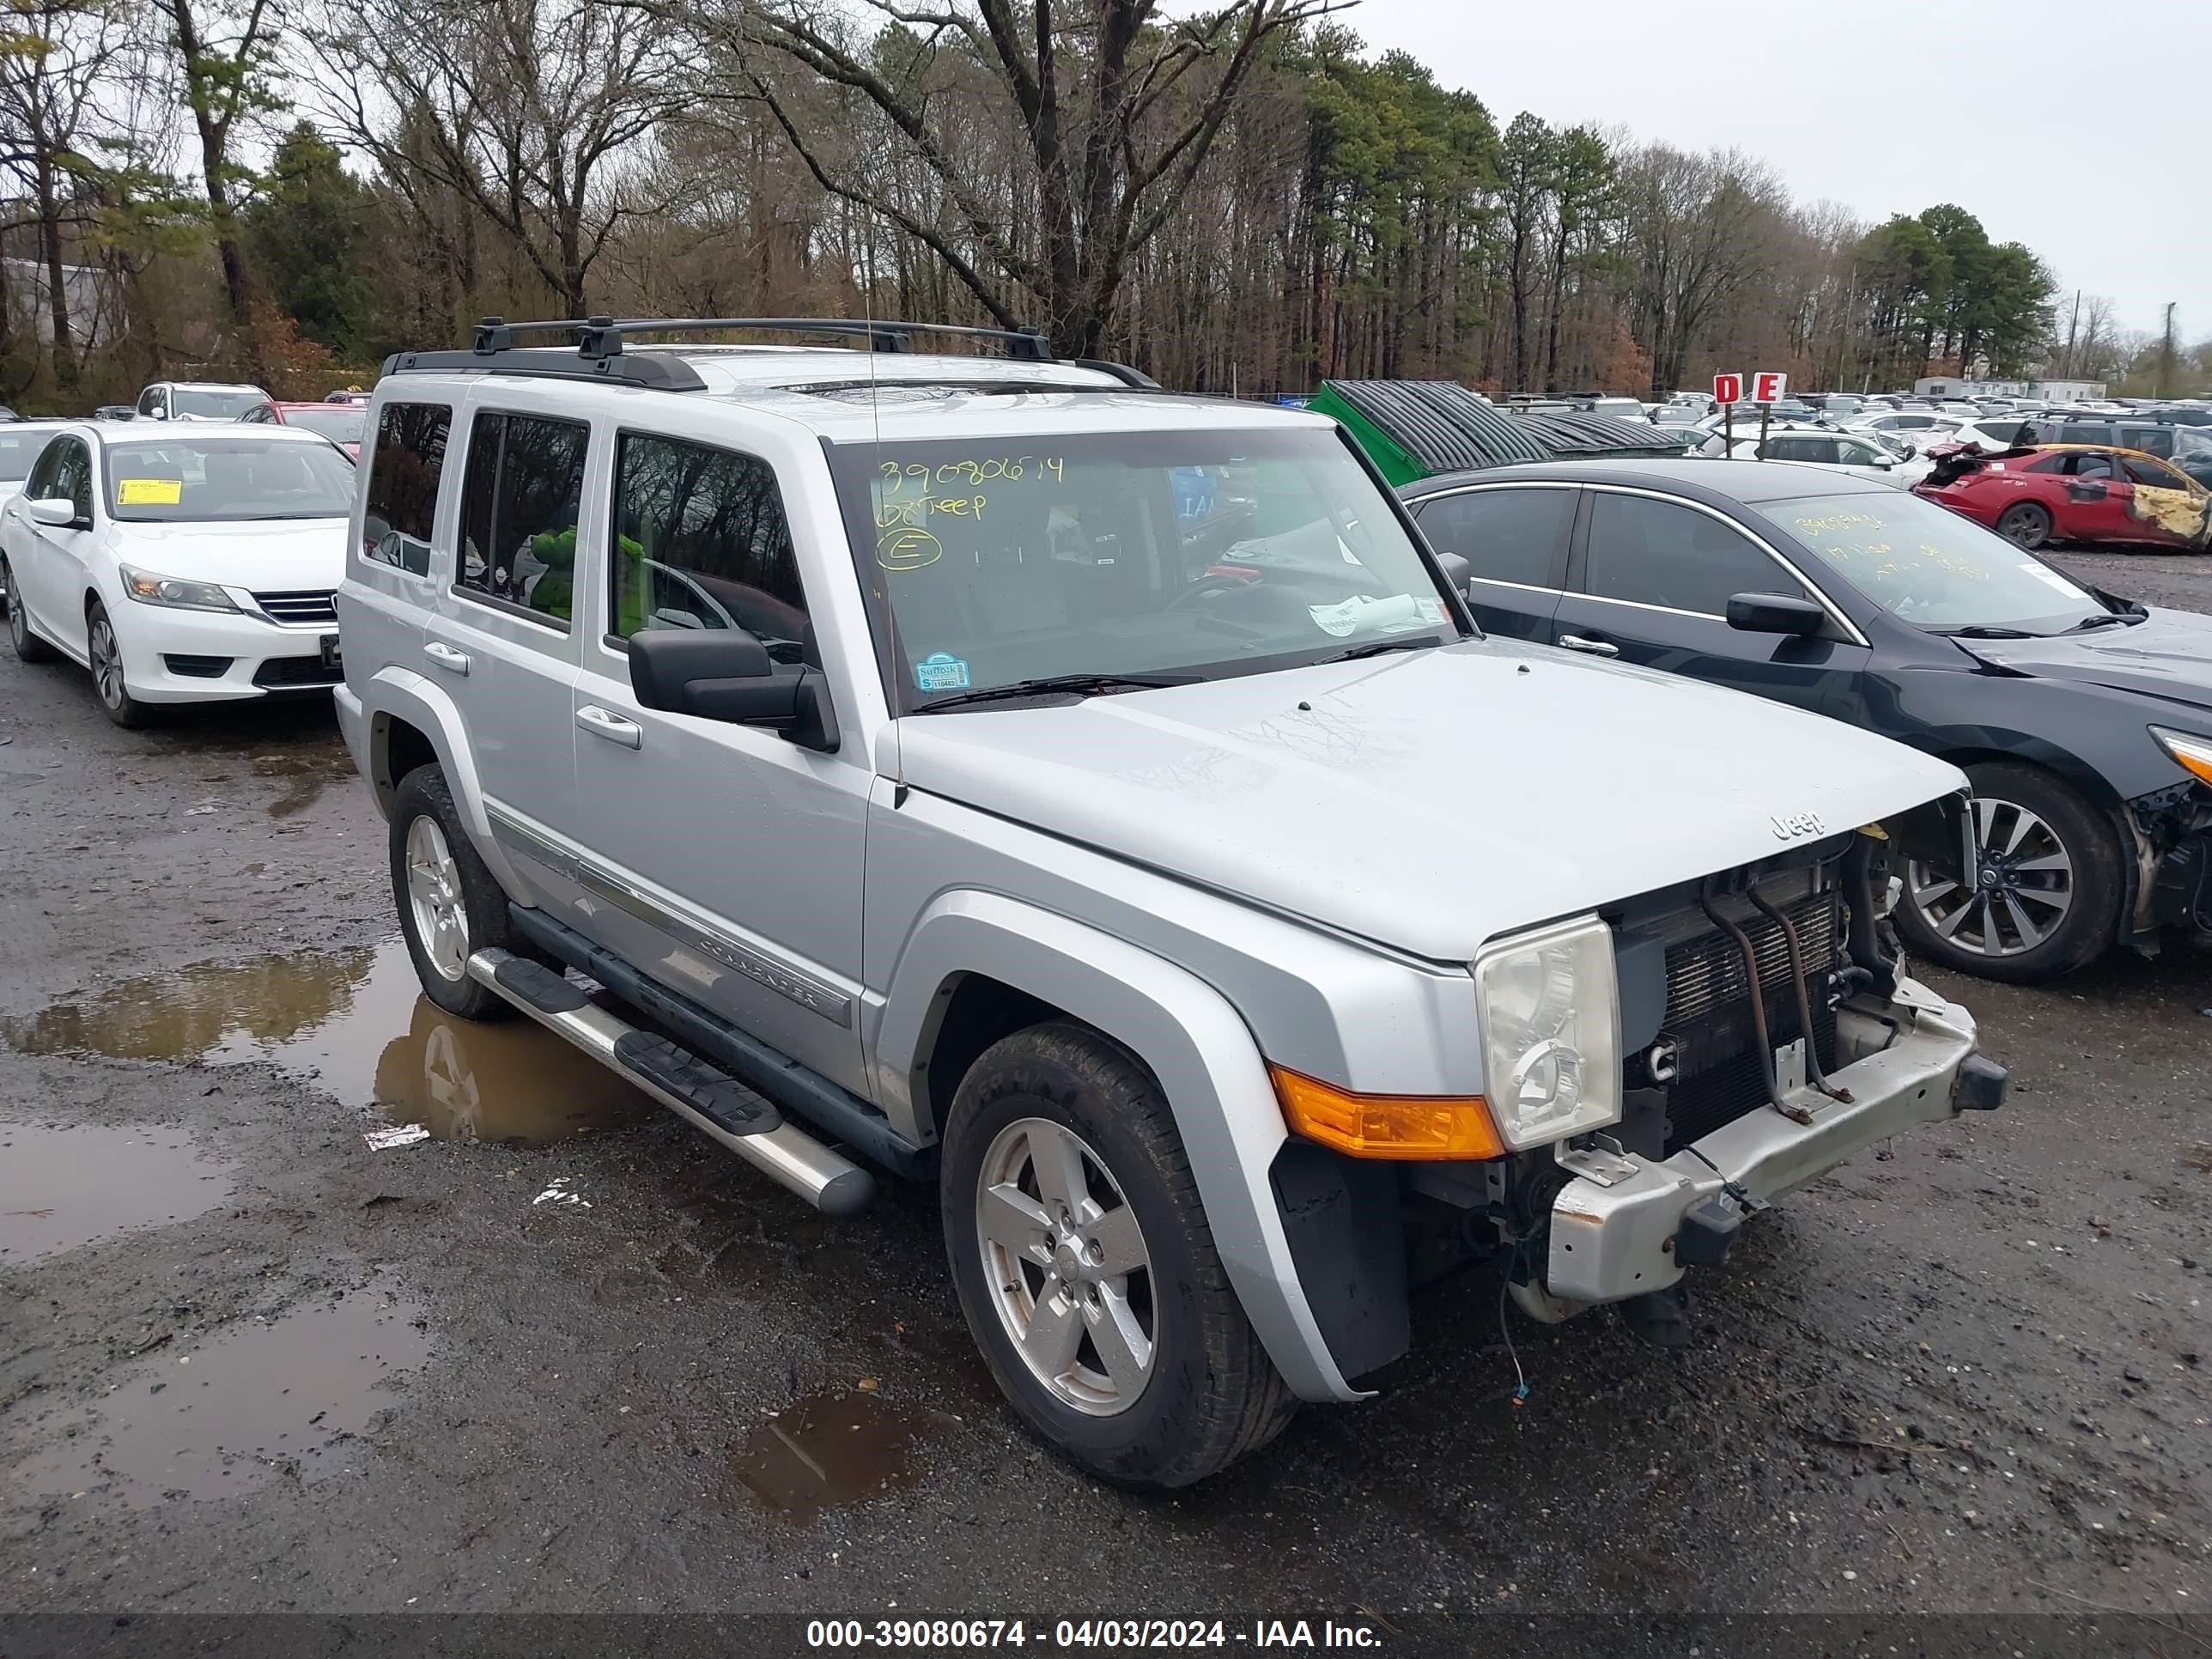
[(305, 774), (358, 1020), (223, 1414), (830, 1449), (61, 1187)]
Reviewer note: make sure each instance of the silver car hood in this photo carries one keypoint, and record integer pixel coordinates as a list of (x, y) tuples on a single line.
[(1429, 800)]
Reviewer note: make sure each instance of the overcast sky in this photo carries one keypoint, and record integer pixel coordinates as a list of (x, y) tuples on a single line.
[(2080, 132)]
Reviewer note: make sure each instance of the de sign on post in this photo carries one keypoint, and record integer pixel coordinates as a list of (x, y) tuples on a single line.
[(1766, 390), (1728, 392)]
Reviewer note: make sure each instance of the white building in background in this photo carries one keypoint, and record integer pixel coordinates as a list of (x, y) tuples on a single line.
[(2056, 391), (86, 290)]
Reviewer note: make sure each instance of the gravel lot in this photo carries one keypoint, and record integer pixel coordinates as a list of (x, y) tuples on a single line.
[(567, 1357)]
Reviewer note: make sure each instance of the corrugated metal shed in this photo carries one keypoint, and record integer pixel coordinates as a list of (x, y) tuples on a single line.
[(1438, 424), (1599, 434)]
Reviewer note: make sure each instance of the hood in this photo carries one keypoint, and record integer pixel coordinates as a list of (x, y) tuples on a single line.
[(2168, 655), (1430, 801), (274, 555)]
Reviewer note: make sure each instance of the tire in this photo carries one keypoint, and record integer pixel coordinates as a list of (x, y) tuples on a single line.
[(108, 689), (2027, 821), (2026, 524), (433, 860), (1208, 1394), (29, 647)]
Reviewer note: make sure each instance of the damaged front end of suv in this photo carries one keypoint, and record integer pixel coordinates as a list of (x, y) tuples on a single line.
[(1764, 1033)]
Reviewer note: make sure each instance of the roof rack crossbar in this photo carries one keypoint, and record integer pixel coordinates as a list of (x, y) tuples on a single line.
[(602, 337)]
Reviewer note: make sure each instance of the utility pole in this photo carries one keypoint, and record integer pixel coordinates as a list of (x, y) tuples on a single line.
[(2068, 373), (2166, 356)]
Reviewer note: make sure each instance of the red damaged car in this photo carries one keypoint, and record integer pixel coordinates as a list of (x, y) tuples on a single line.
[(2073, 493)]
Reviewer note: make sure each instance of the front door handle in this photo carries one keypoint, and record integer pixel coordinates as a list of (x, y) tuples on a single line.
[(605, 723), (1596, 647), (452, 661)]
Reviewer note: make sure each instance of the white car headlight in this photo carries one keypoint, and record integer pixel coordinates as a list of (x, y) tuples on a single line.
[(148, 588), (2195, 753), (1549, 1005)]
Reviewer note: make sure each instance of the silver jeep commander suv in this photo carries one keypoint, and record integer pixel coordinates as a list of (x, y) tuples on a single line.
[(996, 771)]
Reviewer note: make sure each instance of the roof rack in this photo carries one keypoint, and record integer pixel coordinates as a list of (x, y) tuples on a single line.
[(600, 355)]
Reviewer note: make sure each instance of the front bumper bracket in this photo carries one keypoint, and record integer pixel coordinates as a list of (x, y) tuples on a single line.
[(1636, 1228)]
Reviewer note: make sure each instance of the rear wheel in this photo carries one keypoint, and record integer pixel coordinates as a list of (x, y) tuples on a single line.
[(2048, 900), (2026, 523), (450, 904), (1087, 1269), (29, 647)]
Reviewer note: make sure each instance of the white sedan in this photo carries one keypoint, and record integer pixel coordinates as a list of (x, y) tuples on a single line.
[(1842, 452), (194, 563), (19, 444)]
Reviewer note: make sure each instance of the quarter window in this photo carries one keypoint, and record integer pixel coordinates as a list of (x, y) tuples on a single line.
[(1657, 553), (520, 499), (2152, 439), (403, 470), (701, 541), (1505, 535)]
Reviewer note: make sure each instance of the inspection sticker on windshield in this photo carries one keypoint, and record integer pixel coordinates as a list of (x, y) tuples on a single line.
[(940, 670), (149, 492)]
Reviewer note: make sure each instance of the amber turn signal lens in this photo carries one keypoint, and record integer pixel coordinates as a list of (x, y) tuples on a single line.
[(1434, 1126)]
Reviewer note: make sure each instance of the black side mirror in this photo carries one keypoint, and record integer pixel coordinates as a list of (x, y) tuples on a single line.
[(1774, 613), (726, 674), (1457, 571)]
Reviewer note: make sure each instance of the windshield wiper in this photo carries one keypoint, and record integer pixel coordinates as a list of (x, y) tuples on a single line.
[(1076, 685), (2106, 619), (1376, 647), (1983, 631)]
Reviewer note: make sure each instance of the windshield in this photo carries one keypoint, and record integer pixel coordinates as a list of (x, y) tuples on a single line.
[(340, 422), (1181, 555), (182, 480), (211, 405), (19, 451), (1927, 565)]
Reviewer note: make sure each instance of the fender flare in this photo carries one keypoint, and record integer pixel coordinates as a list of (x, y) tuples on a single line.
[(1196, 1044), (403, 694)]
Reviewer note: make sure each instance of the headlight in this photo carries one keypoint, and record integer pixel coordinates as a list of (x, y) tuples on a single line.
[(1550, 1011), (2194, 753), (148, 588)]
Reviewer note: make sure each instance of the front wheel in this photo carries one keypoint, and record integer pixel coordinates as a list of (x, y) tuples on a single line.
[(1085, 1264), (451, 905), (104, 653), (2048, 900)]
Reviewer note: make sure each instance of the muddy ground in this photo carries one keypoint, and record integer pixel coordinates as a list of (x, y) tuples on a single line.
[(566, 1357)]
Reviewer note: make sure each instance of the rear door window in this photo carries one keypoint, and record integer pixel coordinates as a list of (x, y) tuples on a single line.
[(1505, 535), (521, 498), (403, 470)]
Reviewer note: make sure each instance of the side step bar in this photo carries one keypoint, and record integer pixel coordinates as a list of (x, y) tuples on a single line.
[(711, 1100)]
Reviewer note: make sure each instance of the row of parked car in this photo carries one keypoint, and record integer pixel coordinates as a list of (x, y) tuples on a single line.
[(1102, 804)]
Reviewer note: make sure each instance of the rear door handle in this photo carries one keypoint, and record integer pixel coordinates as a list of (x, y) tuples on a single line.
[(452, 661), (605, 723), (1596, 647)]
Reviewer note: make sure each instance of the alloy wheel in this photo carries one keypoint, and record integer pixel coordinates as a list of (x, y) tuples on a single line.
[(2022, 525), (1066, 1267), (106, 662), (19, 623), (434, 901), (2025, 890)]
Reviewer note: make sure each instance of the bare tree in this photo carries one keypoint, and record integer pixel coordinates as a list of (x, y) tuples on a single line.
[(1704, 228), (1116, 110), (58, 60), (527, 109), (226, 55)]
